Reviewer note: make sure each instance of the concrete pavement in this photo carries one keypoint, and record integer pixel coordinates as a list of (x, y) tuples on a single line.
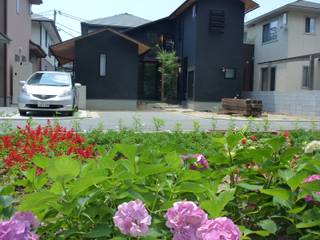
[(143, 120)]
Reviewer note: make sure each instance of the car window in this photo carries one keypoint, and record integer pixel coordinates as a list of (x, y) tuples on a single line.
[(50, 79)]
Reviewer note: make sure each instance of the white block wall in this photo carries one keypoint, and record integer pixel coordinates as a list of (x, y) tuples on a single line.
[(300, 103)]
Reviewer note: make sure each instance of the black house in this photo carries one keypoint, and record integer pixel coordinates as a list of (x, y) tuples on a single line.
[(118, 69)]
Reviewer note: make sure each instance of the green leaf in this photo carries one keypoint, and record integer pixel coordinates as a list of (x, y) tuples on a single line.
[(286, 174), (63, 169), (308, 224), (148, 170), (190, 187), (297, 210), (84, 183), (102, 230), (277, 192), (250, 186), (129, 151), (216, 206), (233, 139), (37, 201), (311, 186), (296, 180), (5, 201), (269, 226), (289, 153), (173, 160), (41, 161), (276, 143)]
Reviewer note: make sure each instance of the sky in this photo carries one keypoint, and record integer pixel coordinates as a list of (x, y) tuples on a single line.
[(148, 9)]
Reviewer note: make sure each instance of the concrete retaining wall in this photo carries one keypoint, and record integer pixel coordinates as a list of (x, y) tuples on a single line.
[(300, 103)]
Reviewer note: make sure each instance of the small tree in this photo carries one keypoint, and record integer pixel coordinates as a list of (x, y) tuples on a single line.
[(169, 69)]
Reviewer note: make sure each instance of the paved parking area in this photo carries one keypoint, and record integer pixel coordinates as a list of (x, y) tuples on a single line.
[(88, 120)]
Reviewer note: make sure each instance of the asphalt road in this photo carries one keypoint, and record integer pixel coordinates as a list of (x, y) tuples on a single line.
[(145, 121)]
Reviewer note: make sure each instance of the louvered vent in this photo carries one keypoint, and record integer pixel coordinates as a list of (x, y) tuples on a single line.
[(217, 21)]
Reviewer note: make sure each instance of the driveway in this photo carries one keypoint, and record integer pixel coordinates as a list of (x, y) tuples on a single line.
[(186, 120)]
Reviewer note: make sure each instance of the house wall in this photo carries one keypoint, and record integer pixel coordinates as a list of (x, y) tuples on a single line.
[(187, 38), (121, 82), (292, 41), (2, 52), (39, 31), (150, 33), (269, 51), (19, 31), (299, 42), (217, 50)]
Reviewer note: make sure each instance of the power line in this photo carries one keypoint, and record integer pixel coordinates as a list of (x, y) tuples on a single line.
[(71, 35), (71, 16), (68, 28)]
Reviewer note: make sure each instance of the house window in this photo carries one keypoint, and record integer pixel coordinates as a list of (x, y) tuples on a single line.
[(230, 73), (217, 21), (310, 25), (190, 84), (270, 32), (306, 77), (18, 6), (194, 11), (266, 83), (152, 38), (103, 65), (46, 39)]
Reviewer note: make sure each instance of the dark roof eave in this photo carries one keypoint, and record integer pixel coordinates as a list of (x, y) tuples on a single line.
[(37, 2), (37, 49), (188, 3), (148, 24), (4, 38)]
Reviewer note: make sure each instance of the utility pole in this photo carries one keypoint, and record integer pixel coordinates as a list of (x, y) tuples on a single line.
[(54, 16)]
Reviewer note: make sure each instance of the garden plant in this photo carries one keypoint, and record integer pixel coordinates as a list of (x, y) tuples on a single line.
[(60, 184)]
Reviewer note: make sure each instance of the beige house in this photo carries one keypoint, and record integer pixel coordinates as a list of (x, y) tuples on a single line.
[(287, 48), (15, 24)]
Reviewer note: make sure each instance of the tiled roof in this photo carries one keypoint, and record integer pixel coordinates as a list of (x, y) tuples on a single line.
[(120, 20)]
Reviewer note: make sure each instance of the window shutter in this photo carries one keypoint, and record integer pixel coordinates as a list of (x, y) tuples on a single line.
[(216, 21)]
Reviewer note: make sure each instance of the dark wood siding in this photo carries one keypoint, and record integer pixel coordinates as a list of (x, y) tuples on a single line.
[(150, 33), (121, 80), (2, 52), (217, 50)]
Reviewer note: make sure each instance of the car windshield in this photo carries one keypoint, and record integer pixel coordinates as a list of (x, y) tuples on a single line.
[(50, 79)]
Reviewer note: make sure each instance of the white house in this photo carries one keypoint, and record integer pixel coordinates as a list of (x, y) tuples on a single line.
[(44, 34)]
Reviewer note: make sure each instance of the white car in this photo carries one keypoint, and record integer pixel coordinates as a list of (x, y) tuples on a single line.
[(48, 91)]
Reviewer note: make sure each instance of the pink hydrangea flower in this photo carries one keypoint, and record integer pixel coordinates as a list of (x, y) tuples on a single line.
[(218, 229), (132, 219), (184, 218), (200, 164), (19, 227), (312, 178), (27, 218)]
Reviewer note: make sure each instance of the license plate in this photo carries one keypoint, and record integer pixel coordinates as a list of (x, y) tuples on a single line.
[(43, 105)]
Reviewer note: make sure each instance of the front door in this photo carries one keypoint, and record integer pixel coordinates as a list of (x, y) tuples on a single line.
[(149, 81)]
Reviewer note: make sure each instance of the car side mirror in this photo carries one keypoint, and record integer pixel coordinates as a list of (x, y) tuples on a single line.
[(77, 85), (22, 83)]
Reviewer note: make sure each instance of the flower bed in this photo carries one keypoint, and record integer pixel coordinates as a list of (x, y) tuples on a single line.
[(178, 186)]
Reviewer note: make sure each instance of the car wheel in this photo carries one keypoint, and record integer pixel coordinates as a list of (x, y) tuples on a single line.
[(23, 113)]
